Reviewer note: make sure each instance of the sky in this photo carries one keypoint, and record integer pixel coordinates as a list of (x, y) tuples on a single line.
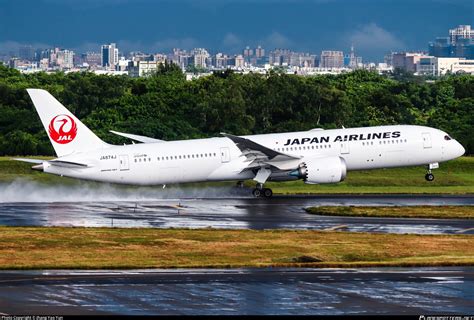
[(375, 27)]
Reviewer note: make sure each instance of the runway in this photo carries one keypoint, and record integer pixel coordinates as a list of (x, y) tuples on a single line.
[(235, 213), (240, 291)]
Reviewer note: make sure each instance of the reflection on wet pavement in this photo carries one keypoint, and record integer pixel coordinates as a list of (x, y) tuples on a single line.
[(278, 212), (241, 291)]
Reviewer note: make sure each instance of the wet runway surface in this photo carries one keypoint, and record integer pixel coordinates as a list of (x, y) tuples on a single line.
[(235, 213), (240, 291)]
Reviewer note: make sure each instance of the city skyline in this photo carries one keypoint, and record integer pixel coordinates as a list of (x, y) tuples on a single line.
[(454, 53), (228, 26)]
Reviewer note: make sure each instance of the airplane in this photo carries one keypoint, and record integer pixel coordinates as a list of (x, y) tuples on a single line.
[(316, 156)]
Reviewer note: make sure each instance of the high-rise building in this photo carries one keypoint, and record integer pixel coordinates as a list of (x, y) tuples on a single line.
[(239, 61), (460, 32), (408, 61), (279, 57), (65, 59), (259, 52), (440, 47), (220, 61), (460, 43), (248, 52), (351, 60), (109, 55), (387, 59), (93, 59), (26, 53), (201, 57), (332, 59)]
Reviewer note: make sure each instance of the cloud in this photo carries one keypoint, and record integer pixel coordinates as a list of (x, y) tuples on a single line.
[(7, 47), (163, 45), (168, 44), (276, 40), (371, 37), (231, 40)]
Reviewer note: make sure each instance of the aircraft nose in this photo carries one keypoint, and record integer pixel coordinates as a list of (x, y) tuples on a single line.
[(459, 149)]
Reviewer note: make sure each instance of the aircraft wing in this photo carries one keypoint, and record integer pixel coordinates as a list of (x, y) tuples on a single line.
[(257, 152), (68, 164), (137, 137)]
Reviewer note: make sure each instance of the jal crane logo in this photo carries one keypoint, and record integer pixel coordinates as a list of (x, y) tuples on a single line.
[(62, 129)]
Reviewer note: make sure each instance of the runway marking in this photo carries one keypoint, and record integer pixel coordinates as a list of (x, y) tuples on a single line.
[(335, 228), (465, 230)]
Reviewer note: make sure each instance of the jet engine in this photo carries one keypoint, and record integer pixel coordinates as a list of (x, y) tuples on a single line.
[(322, 170)]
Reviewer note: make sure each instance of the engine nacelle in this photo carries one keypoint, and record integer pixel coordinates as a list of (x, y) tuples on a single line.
[(322, 170)]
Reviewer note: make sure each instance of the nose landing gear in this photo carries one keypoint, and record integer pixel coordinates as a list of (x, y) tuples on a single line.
[(429, 176), (260, 191)]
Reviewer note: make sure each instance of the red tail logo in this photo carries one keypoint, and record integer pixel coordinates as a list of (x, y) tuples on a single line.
[(62, 129)]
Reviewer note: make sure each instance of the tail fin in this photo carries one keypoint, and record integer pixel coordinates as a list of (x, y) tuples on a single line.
[(67, 134)]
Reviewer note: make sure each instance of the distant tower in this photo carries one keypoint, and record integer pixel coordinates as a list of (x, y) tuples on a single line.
[(352, 58), (109, 55), (259, 52)]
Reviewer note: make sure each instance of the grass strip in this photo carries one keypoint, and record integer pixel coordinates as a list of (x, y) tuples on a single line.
[(435, 212), (116, 248)]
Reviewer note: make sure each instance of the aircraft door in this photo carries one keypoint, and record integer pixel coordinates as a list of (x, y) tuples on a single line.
[(124, 165), (426, 140), (225, 155), (344, 147)]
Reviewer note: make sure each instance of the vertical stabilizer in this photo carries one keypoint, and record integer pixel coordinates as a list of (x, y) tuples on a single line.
[(67, 134)]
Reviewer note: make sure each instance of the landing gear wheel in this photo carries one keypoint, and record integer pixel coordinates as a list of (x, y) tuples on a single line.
[(257, 192), (429, 177), (268, 193)]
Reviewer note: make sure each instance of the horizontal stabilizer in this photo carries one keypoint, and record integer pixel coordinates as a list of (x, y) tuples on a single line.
[(35, 161), (59, 163), (137, 137)]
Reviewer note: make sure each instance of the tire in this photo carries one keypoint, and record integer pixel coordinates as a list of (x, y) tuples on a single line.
[(268, 193), (429, 177), (257, 193)]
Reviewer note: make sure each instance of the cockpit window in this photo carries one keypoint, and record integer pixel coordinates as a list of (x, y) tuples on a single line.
[(447, 137)]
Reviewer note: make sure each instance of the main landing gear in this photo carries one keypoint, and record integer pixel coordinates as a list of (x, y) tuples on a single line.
[(260, 191)]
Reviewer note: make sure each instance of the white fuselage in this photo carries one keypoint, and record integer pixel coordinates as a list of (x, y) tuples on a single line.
[(217, 159)]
